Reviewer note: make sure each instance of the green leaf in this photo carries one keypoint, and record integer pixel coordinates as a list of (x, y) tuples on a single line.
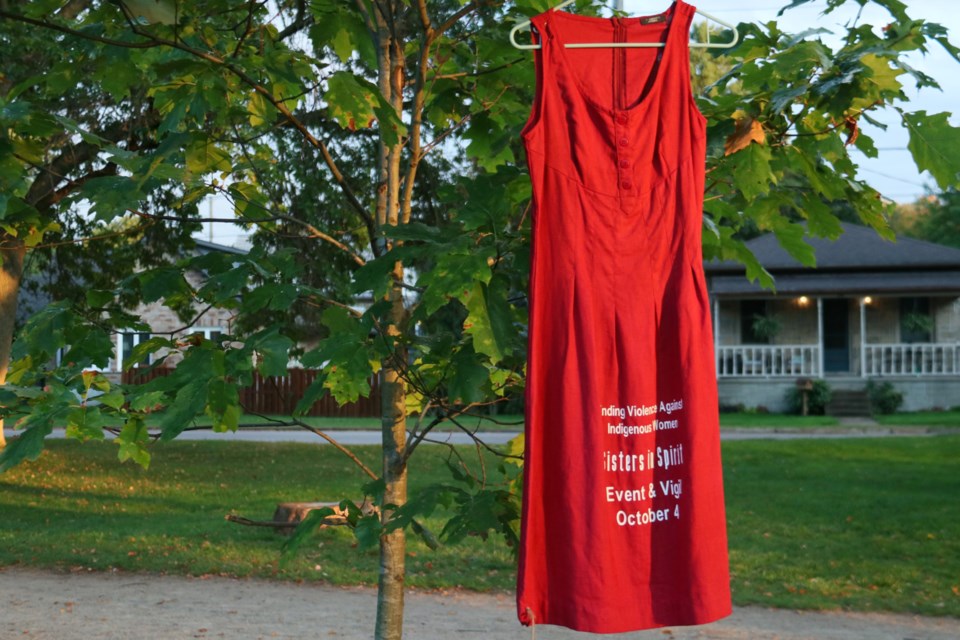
[(935, 145), (147, 401), (376, 275), (515, 448), (132, 441), (27, 446), (180, 414), (113, 399), (342, 29), (85, 423), (204, 156), (304, 532), (453, 277), (468, 378), (261, 110), (146, 348), (271, 295), (315, 392), (791, 237), (346, 356), (223, 405), (751, 170), (98, 299), (272, 350), (879, 82), (823, 222), (165, 282), (351, 100), (368, 530), (488, 321)]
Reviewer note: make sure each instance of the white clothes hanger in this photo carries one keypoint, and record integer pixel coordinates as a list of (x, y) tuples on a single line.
[(618, 5)]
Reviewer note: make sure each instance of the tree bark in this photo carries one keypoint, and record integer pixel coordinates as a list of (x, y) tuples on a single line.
[(390, 585), (392, 545), (12, 253)]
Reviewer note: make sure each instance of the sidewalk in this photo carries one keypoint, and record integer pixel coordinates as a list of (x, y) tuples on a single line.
[(77, 606), (372, 437)]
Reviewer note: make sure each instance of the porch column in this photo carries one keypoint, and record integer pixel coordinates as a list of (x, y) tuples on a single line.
[(716, 335), (117, 353), (820, 337), (863, 337)]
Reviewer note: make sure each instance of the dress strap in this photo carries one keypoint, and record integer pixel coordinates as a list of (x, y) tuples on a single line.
[(538, 31)]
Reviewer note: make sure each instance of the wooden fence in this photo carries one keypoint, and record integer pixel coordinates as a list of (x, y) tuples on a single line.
[(280, 394)]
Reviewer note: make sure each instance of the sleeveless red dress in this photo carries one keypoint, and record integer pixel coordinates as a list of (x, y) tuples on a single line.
[(623, 515)]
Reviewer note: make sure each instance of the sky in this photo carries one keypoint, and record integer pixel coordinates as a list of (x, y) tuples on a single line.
[(893, 173)]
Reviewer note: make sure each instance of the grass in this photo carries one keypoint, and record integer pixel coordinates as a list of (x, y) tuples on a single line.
[(869, 525), (775, 420), (922, 419), (514, 423), (77, 507), (508, 423), (863, 524)]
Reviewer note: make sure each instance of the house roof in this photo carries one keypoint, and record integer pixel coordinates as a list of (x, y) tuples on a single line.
[(208, 247), (859, 261)]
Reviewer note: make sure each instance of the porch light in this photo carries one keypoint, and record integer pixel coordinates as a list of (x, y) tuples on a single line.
[(803, 301), (867, 300)]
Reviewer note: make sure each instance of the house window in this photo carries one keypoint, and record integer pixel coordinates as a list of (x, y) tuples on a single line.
[(752, 314), (207, 333), (126, 341), (916, 323)]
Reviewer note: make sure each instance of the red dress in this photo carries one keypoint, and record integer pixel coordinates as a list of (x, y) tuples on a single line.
[(623, 515)]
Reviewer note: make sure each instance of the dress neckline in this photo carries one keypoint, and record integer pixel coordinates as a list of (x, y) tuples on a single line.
[(671, 14)]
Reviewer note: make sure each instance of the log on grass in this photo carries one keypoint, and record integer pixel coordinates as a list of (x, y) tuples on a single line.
[(288, 515)]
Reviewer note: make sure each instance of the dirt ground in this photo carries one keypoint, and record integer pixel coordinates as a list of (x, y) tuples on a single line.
[(73, 606)]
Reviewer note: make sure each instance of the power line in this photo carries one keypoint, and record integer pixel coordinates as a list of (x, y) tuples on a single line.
[(892, 177)]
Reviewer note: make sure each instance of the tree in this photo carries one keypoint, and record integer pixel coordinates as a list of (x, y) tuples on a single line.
[(56, 135), (373, 92), (935, 218)]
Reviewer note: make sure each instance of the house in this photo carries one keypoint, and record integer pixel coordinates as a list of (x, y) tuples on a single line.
[(210, 322), (870, 310)]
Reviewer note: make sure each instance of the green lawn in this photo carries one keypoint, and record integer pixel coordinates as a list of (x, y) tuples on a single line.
[(775, 420), (735, 420), (491, 423), (922, 418), (864, 524), (514, 423)]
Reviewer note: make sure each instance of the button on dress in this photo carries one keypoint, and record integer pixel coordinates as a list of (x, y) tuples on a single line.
[(623, 513)]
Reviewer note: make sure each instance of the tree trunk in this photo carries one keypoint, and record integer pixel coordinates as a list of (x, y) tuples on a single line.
[(393, 544), (391, 82), (12, 253)]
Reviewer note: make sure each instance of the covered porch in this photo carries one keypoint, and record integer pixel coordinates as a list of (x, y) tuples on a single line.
[(871, 309), (817, 336)]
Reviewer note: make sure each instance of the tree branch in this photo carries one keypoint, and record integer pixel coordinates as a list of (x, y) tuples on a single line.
[(455, 18), (278, 103)]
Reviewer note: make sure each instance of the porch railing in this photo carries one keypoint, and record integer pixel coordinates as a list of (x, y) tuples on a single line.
[(783, 360), (931, 359)]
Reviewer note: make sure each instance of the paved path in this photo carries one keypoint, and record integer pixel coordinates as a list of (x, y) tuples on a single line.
[(372, 437), (37, 605)]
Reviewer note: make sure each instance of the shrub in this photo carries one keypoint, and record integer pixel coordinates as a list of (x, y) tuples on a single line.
[(884, 398), (732, 408), (817, 399)]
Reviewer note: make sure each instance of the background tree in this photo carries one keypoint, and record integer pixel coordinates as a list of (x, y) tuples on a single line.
[(63, 142), (935, 218), (250, 99)]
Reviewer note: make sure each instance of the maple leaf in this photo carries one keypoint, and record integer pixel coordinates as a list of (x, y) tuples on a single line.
[(747, 130), (853, 130)]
